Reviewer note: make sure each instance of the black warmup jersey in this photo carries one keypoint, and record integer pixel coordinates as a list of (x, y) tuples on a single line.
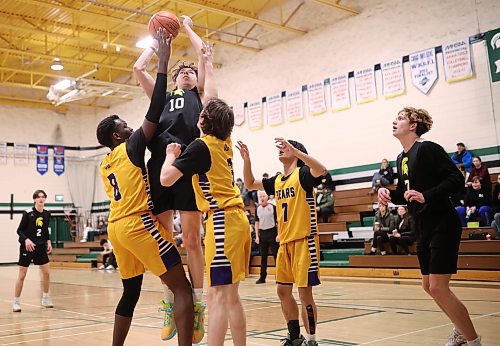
[(178, 122), (34, 226), (428, 169)]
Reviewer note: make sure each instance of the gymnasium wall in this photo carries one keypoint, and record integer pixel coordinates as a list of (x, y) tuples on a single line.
[(467, 111)]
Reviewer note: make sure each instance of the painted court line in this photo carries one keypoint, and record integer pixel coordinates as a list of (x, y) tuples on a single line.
[(423, 330), (59, 336)]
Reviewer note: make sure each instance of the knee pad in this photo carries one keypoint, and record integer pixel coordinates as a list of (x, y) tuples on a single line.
[(130, 296)]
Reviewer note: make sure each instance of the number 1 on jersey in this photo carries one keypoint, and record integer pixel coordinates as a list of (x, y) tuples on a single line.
[(284, 206), (116, 189)]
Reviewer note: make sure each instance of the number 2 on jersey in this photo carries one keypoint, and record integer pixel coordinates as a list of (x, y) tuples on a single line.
[(284, 206), (114, 183)]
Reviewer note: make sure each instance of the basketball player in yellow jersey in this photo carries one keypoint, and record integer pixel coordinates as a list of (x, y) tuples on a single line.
[(138, 239), (209, 160), (298, 254)]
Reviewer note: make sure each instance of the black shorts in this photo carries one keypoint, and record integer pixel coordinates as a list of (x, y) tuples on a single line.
[(39, 256), (179, 196), (437, 250)]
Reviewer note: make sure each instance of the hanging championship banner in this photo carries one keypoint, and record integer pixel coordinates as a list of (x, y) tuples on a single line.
[(457, 61), (294, 108), (492, 39), (340, 92), (364, 80), (42, 159), (424, 69), (21, 152), (316, 98), (254, 112), (58, 160), (393, 80), (274, 110), (239, 114), (3, 153)]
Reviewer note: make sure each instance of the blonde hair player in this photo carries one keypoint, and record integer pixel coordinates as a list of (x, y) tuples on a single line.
[(426, 179)]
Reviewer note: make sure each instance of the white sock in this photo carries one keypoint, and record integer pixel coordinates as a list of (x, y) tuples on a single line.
[(374, 249), (383, 253), (17, 299), (45, 295), (475, 342), (456, 331), (168, 294), (310, 337), (197, 295)]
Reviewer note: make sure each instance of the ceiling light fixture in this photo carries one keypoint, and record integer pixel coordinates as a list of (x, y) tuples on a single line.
[(106, 93), (57, 65), (145, 42), (63, 85)]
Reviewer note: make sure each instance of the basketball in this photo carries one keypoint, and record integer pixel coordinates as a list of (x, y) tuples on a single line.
[(166, 20)]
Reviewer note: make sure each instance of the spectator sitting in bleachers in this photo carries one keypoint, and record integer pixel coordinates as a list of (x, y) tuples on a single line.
[(462, 157), (384, 176), (108, 256), (243, 191), (496, 208), (477, 202), (88, 232), (102, 227), (479, 170), (383, 226), (324, 203), (403, 235)]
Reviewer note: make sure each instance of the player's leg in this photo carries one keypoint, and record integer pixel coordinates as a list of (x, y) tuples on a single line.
[(176, 280), (125, 309), (225, 307), (45, 278), (439, 288), (290, 310), (309, 312), (264, 251), (16, 306), (191, 224)]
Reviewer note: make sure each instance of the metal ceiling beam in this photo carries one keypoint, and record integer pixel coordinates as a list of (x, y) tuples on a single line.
[(338, 6), (68, 60), (34, 103), (239, 16), (119, 21)]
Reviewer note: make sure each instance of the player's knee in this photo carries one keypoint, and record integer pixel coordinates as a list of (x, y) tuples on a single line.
[(438, 291), (283, 292), (426, 287), (305, 296), (192, 241), (130, 296)]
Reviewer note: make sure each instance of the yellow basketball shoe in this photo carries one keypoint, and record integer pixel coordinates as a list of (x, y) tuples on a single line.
[(168, 331), (199, 322)]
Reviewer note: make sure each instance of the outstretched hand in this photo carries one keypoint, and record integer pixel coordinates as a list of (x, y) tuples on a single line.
[(284, 146), (173, 149), (207, 52), (242, 147), (164, 44), (187, 21)]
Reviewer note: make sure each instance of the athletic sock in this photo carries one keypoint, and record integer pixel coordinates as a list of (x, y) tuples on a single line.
[(475, 342), (17, 299), (197, 295), (310, 337), (168, 294), (45, 295), (293, 329)]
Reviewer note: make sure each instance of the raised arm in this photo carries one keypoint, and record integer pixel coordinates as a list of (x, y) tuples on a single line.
[(210, 88), (248, 177), (158, 98), (317, 168), (197, 43), (140, 69)]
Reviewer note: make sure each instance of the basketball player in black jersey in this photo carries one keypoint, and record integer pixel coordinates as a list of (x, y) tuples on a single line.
[(178, 124), (426, 179), (33, 234)]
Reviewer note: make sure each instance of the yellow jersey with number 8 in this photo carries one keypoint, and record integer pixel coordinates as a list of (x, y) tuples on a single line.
[(126, 185)]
